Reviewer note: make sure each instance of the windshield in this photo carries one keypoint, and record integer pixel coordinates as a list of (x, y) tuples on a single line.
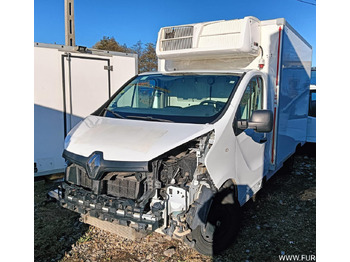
[(183, 98)]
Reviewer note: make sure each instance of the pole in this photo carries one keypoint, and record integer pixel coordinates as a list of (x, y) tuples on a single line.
[(69, 22)]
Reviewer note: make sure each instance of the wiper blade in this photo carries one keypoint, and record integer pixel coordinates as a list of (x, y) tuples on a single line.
[(114, 113), (149, 118)]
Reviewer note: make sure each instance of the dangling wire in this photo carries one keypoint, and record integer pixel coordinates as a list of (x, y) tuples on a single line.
[(262, 51), (305, 2)]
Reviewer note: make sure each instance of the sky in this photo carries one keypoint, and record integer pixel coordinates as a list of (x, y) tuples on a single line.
[(131, 21)]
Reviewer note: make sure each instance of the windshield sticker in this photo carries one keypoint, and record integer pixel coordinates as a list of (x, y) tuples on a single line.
[(145, 97)]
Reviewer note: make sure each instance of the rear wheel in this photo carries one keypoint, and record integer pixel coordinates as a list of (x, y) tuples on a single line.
[(222, 224)]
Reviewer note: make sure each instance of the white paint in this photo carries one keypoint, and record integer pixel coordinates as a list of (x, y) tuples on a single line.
[(131, 140), (87, 91)]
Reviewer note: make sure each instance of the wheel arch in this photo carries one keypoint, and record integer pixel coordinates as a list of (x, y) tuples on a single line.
[(230, 183)]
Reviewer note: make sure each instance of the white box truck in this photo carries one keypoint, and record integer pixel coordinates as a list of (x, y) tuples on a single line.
[(179, 151), (69, 84)]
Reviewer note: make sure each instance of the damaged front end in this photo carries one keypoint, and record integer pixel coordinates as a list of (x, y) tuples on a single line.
[(133, 199)]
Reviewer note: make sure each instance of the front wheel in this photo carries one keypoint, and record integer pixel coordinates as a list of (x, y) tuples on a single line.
[(222, 224)]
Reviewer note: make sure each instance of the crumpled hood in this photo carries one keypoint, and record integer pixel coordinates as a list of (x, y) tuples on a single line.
[(130, 140)]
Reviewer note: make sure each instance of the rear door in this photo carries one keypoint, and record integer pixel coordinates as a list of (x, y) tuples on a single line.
[(86, 86)]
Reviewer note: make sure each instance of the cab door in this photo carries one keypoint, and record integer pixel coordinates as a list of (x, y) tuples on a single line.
[(250, 145)]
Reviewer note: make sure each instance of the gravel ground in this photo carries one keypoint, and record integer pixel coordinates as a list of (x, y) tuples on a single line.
[(281, 220)]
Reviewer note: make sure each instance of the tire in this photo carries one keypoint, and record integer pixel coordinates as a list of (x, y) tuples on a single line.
[(222, 224)]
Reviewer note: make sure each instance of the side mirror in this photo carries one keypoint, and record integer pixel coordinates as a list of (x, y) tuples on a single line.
[(261, 121)]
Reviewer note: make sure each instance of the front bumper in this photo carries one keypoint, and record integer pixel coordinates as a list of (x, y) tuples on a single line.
[(118, 211)]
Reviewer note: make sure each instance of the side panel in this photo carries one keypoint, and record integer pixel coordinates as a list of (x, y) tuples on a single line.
[(293, 101), (124, 68), (271, 42), (48, 111), (311, 129)]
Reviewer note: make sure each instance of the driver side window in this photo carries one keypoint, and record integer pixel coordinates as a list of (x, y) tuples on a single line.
[(251, 101)]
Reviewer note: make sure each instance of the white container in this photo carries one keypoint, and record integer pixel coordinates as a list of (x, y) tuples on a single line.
[(68, 86)]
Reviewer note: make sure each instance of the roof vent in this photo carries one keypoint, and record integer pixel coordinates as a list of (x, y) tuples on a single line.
[(176, 38)]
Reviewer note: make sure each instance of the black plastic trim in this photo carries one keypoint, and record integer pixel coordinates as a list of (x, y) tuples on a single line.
[(107, 165), (64, 97), (77, 195)]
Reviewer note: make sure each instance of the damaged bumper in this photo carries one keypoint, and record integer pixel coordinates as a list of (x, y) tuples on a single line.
[(160, 197), (108, 209)]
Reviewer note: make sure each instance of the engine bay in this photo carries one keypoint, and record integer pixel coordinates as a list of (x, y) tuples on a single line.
[(163, 198)]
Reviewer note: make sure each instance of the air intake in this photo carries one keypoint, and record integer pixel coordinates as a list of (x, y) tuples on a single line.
[(176, 38)]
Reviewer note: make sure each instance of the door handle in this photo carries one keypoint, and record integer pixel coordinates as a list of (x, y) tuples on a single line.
[(263, 140)]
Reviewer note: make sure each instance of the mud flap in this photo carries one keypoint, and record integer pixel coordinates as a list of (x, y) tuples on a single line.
[(199, 210)]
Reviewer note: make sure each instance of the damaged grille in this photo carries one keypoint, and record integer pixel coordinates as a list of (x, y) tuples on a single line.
[(124, 185), (121, 185), (77, 175)]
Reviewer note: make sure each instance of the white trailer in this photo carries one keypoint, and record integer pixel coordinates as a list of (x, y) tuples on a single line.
[(180, 150), (69, 84)]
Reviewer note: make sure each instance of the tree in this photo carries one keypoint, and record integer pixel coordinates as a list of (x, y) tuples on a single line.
[(137, 48), (111, 44), (148, 61), (147, 58)]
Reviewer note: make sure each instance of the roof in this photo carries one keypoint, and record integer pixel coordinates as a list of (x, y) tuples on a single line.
[(238, 71), (82, 50)]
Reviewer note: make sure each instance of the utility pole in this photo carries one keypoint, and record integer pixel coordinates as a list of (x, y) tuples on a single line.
[(69, 22)]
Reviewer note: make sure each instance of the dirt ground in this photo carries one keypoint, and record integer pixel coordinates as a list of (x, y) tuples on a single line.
[(282, 220)]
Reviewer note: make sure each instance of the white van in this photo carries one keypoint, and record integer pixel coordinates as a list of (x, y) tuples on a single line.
[(180, 150)]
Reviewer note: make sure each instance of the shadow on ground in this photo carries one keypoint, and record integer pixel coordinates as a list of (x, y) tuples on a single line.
[(55, 228), (282, 220)]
